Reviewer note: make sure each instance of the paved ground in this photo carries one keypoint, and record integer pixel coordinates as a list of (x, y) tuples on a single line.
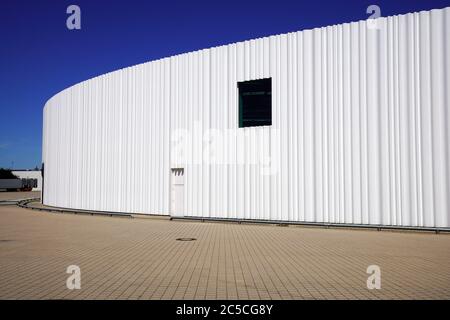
[(4, 195), (123, 258)]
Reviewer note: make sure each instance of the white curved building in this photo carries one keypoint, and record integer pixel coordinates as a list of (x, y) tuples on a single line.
[(349, 124)]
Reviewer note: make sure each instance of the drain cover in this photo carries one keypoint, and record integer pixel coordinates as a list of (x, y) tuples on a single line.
[(186, 239)]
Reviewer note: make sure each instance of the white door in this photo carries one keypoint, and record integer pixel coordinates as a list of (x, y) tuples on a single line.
[(177, 193)]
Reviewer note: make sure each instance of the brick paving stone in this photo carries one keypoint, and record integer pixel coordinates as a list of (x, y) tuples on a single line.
[(140, 259), (13, 195)]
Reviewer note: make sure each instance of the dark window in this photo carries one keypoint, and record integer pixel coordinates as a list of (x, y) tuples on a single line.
[(255, 103)]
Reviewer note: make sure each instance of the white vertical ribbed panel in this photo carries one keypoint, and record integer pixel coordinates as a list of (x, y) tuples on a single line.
[(360, 129)]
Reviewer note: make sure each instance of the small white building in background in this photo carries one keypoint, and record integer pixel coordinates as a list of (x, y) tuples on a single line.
[(341, 124), (30, 174)]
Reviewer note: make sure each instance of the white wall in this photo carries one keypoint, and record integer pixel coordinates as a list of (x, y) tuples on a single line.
[(33, 174), (360, 129)]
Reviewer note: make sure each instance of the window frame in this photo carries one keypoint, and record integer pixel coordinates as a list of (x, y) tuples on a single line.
[(241, 106)]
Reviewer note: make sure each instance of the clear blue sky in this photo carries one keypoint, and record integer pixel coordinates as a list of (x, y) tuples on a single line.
[(39, 56)]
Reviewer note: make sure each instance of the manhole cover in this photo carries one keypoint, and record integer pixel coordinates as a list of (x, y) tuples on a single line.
[(186, 239)]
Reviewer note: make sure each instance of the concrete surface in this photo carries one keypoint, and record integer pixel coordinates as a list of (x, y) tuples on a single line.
[(141, 259)]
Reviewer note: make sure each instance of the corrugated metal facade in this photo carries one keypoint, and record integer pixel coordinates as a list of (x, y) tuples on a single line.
[(360, 129)]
